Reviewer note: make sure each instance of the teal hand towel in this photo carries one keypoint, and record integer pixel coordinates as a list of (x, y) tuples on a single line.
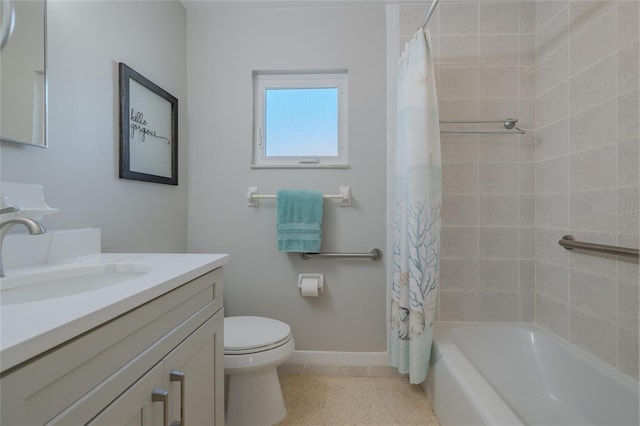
[(299, 221)]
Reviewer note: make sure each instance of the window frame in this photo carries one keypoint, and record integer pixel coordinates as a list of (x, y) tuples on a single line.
[(263, 80)]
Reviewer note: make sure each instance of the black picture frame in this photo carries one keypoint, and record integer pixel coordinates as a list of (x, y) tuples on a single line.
[(148, 130)]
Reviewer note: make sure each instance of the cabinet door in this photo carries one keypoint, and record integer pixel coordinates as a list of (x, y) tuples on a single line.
[(195, 372), (135, 407)]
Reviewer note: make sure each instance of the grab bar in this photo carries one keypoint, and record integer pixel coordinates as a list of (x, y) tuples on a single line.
[(569, 242), (510, 124), (517, 131), (374, 254)]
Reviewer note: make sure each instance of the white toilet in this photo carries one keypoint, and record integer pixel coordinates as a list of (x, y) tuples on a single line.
[(253, 349)]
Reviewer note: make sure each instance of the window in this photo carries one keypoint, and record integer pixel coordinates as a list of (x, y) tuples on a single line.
[(300, 120)]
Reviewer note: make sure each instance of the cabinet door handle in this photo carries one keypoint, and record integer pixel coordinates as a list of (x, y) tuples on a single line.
[(161, 395), (178, 376)]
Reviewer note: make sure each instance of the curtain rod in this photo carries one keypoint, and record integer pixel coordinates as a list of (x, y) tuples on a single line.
[(427, 16)]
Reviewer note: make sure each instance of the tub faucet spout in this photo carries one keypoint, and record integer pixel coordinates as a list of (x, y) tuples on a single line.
[(34, 227)]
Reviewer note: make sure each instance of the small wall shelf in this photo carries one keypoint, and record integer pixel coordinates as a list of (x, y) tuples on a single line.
[(28, 197)]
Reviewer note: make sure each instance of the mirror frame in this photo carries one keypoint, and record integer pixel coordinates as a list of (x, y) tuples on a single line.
[(45, 97)]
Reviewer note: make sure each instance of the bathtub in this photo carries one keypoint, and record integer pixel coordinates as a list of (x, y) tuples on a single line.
[(518, 374)]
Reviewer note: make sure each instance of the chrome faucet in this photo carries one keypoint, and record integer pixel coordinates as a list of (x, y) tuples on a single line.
[(34, 227)]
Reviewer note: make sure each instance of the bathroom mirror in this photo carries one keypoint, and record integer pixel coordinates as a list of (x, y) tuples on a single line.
[(23, 82)]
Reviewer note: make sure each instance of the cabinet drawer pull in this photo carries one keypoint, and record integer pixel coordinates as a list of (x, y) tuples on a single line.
[(161, 395), (178, 376)]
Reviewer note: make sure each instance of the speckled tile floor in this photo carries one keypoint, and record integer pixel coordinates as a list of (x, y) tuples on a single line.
[(337, 401)]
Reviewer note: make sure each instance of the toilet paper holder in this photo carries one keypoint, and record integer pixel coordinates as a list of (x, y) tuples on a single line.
[(317, 280)]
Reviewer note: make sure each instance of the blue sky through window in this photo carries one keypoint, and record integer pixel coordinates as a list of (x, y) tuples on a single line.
[(301, 122)]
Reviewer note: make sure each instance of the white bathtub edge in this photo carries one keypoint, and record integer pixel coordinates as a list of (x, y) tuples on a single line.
[(461, 395), (452, 404)]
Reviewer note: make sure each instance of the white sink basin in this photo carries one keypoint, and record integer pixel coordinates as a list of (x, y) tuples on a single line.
[(67, 281)]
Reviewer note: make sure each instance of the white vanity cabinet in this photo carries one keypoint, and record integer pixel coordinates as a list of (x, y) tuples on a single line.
[(171, 345), (182, 374)]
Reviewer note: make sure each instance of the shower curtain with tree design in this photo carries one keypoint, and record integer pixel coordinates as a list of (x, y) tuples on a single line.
[(417, 205)]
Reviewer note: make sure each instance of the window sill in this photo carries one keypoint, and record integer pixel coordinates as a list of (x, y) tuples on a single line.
[(300, 166)]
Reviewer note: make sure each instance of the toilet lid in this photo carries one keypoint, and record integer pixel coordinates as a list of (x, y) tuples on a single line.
[(242, 334)]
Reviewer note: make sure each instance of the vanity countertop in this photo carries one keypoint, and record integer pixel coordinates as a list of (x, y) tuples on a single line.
[(31, 328)]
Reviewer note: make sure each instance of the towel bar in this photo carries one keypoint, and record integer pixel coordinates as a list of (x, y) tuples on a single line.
[(374, 254), (253, 196)]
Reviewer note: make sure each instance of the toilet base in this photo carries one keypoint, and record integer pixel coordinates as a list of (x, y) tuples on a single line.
[(255, 399)]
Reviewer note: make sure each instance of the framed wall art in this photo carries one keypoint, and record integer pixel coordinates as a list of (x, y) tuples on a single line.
[(148, 130)]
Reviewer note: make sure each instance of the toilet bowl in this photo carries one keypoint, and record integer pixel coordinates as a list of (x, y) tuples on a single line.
[(254, 347)]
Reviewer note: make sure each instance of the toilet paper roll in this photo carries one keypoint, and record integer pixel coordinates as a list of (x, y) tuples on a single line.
[(309, 287)]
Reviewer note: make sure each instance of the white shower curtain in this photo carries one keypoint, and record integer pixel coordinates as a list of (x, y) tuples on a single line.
[(417, 205)]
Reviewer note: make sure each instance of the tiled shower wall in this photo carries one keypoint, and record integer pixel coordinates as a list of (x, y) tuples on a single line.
[(586, 71), (569, 71), (483, 53)]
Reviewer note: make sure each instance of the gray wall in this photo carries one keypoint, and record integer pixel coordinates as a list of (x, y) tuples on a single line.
[(79, 171), (225, 45)]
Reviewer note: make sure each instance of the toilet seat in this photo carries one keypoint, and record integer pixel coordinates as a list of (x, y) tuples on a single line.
[(249, 335)]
